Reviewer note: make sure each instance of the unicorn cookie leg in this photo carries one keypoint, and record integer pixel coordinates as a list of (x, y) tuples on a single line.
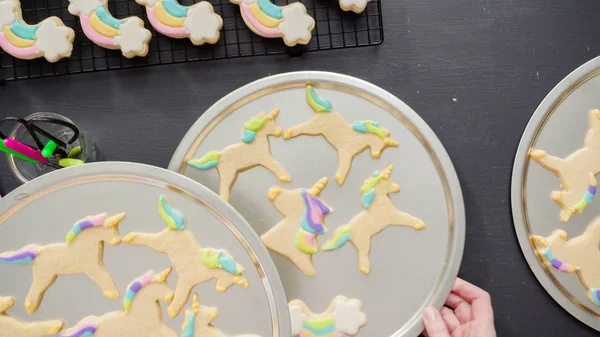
[(193, 263), (81, 254), (254, 150), (50, 38), (344, 317), (295, 237), (264, 18), (379, 213), (357, 6), (198, 22), (127, 35), (10, 326)]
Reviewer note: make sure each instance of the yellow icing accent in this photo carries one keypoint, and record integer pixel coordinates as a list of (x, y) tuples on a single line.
[(166, 18), (102, 28), (263, 18), (15, 40)]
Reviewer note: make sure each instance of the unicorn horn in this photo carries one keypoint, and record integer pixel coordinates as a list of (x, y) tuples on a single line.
[(387, 171), (319, 186), (195, 303), (114, 220), (273, 114), (162, 277), (539, 240)]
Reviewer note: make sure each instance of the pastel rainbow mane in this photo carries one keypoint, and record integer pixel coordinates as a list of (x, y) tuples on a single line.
[(189, 326), (171, 216), (25, 41), (216, 259), (82, 329), (134, 287), (588, 196), (316, 103), (311, 223), (557, 264), (369, 126), (368, 189), (252, 127), (81, 225)]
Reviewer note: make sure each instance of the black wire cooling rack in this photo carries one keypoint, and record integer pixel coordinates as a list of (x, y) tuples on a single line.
[(334, 29)]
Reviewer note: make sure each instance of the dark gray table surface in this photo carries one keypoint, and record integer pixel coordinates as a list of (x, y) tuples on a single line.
[(497, 58)]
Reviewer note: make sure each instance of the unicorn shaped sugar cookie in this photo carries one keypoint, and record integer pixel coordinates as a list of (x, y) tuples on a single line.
[(295, 237), (344, 317), (193, 264), (198, 321), (10, 326), (254, 150), (50, 38), (357, 6), (141, 314), (128, 35), (379, 213), (579, 255), (575, 172), (264, 18), (198, 22), (348, 139), (81, 254)]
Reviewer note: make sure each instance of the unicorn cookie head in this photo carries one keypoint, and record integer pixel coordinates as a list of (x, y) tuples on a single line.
[(150, 283), (198, 319), (50, 38), (220, 259), (261, 124), (106, 228), (289, 201), (378, 184)]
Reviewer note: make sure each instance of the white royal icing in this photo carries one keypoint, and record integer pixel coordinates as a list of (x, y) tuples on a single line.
[(202, 23), (357, 5), (134, 37), (348, 316), (7, 12), (85, 7), (149, 3), (298, 318), (247, 2), (53, 40), (297, 25)]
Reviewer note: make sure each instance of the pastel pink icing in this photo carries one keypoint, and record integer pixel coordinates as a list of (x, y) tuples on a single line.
[(93, 35), (161, 28), (247, 14), (16, 51)]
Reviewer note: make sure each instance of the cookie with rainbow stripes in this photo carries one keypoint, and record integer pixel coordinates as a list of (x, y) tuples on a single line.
[(580, 255), (575, 172), (291, 23), (357, 6), (50, 38), (128, 34), (295, 237), (141, 314), (198, 22), (344, 317), (10, 326)]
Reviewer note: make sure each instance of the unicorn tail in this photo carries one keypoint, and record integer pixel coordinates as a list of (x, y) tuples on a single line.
[(317, 103), (208, 161), (594, 295), (342, 235), (22, 256), (82, 329)]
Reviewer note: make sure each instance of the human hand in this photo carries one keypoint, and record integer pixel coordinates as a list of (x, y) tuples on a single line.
[(467, 313)]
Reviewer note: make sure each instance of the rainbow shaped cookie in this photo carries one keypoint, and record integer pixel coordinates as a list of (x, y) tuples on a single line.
[(128, 35), (291, 22), (50, 38), (198, 22)]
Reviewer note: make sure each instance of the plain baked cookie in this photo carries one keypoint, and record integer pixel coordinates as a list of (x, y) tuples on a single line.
[(128, 35), (348, 139), (141, 314), (379, 213), (264, 18), (12, 327), (295, 237), (197, 22), (579, 255), (357, 6), (254, 150), (573, 172), (193, 264), (198, 321), (49, 38), (82, 254), (344, 317)]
